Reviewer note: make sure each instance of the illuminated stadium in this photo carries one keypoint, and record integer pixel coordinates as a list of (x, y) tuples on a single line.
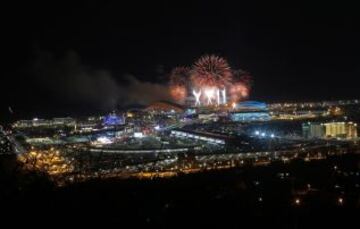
[(249, 111), (165, 107), (251, 105)]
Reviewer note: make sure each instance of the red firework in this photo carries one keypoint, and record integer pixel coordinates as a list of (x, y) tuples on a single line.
[(178, 93), (239, 91), (241, 88), (178, 79), (211, 71), (243, 77)]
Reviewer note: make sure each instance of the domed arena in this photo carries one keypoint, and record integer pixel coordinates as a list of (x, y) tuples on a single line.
[(251, 105), (165, 107)]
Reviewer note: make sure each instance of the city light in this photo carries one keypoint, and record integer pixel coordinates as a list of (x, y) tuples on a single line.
[(340, 200), (104, 140), (233, 105)]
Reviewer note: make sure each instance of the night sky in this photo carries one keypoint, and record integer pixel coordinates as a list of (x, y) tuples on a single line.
[(64, 58)]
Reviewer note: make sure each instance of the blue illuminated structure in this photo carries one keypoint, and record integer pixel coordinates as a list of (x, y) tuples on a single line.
[(113, 120), (251, 105), (250, 111), (250, 116)]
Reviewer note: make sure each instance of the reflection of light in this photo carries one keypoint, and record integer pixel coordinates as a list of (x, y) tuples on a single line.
[(157, 127), (233, 105), (35, 119), (257, 132)]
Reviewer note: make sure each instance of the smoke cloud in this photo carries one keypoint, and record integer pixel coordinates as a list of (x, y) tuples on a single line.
[(69, 80), (141, 92)]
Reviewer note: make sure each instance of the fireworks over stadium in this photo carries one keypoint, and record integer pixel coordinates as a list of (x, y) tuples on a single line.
[(210, 81)]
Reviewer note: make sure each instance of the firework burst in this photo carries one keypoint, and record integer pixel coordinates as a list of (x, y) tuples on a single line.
[(241, 87), (211, 71), (210, 81), (178, 80), (239, 91)]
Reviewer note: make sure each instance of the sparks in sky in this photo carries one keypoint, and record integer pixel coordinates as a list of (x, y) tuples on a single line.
[(209, 80)]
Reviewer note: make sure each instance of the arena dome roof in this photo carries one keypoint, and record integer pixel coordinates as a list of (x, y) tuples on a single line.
[(251, 105), (164, 106)]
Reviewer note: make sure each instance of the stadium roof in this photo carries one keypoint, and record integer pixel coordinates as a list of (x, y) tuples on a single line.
[(164, 106), (251, 105)]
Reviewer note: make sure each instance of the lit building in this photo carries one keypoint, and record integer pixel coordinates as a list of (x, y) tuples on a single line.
[(341, 130), (330, 130), (45, 122), (313, 130), (113, 120), (352, 130), (201, 136), (63, 121), (250, 111)]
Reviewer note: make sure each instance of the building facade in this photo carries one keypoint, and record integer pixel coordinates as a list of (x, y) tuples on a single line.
[(344, 130)]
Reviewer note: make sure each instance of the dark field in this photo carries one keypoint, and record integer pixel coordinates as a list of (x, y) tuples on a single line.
[(236, 198)]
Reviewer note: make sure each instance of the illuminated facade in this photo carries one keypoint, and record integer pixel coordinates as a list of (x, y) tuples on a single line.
[(113, 120), (250, 116), (250, 111), (341, 130), (313, 130), (45, 122), (330, 130), (251, 105)]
